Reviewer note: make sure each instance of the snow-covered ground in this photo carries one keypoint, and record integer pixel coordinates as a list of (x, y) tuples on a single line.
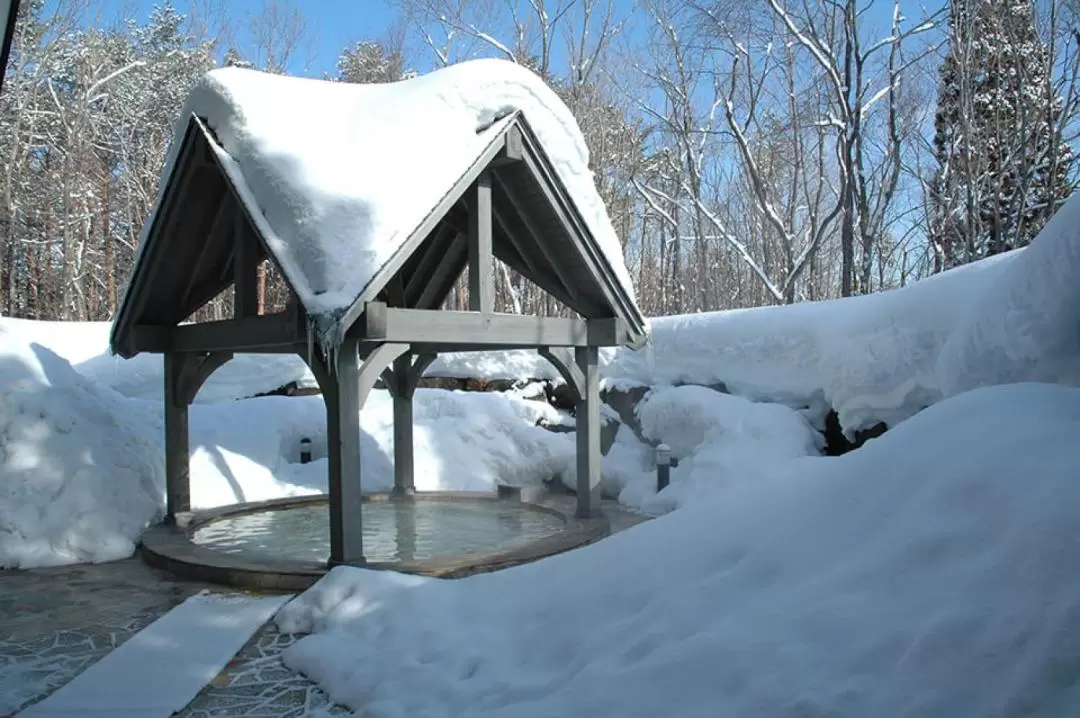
[(930, 573)]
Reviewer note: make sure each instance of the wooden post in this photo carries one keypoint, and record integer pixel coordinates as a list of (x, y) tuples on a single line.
[(588, 432), (245, 269), (481, 261), (177, 446), (402, 391), (343, 439)]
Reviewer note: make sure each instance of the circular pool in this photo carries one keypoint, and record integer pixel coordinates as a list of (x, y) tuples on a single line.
[(284, 544), (394, 531)]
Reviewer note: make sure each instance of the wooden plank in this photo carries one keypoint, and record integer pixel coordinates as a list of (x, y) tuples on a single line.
[(177, 443), (245, 269), (496, 330), (269, 333), (343, 441), (588, 433), (481, 260)]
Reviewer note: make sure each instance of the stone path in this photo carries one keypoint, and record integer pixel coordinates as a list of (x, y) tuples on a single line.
[(56, 622)]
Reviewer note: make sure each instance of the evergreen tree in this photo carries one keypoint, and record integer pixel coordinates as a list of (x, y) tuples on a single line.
[(368, 61), (1002, 167)]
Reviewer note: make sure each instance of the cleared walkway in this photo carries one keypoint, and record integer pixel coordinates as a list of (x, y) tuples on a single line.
[(163, 667)]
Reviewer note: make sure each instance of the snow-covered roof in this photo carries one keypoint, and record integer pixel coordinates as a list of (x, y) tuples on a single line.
[(338, 178)]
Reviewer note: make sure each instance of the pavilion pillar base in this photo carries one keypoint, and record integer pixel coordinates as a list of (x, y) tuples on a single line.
[(343, 451)]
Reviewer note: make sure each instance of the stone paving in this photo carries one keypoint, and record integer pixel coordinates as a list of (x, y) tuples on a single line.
[(56, 622)]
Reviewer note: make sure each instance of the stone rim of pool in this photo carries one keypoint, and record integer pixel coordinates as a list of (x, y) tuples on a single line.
[(174, 549)]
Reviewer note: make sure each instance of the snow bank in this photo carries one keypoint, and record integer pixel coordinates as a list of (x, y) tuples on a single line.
[(346, 171), (871, 358), (719, 439), (463, 441), (1024, 326), (85, 345), (244, 376), (930, 573), (81, 470)]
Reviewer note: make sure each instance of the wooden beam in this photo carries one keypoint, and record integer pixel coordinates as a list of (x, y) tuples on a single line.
[(588, 433), (269, 333), (343, 447), (446, 273), (589, 253), (511, 240), (416, 371), (199, 370), (537, 238), (404, 463), (481, 260), (430, 263), (177, 443), (245, 269), (208, 246), (151, 257), (563, 360), (433, 327)]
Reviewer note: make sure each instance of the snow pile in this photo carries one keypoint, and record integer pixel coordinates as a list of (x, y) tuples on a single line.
[(81, 468), (930, 573), (85, 345), (463, 441), (412, 140), (1025, 326), (718, 438), (244, 376), (872, 358)]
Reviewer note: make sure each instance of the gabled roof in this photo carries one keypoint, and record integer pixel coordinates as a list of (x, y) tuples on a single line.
[(187, 256)]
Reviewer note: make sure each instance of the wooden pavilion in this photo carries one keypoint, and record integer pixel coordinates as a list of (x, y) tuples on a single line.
[(208, 232)]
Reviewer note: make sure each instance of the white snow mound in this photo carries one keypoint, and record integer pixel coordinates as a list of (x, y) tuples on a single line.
[(343, 173), (81, 467), (931, 573)]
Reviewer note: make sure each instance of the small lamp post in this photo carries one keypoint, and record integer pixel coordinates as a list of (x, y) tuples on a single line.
[(663, 466)]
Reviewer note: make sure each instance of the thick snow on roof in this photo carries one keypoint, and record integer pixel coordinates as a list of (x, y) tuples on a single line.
[(344, 173)]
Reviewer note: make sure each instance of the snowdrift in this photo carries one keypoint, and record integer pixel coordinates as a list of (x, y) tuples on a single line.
[(81, 467), (930, 573)]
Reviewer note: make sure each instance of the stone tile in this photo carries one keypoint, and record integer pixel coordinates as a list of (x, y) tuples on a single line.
[(56, 622)]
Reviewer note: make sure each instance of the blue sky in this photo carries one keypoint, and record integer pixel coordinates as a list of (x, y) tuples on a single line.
[(333, 25)]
